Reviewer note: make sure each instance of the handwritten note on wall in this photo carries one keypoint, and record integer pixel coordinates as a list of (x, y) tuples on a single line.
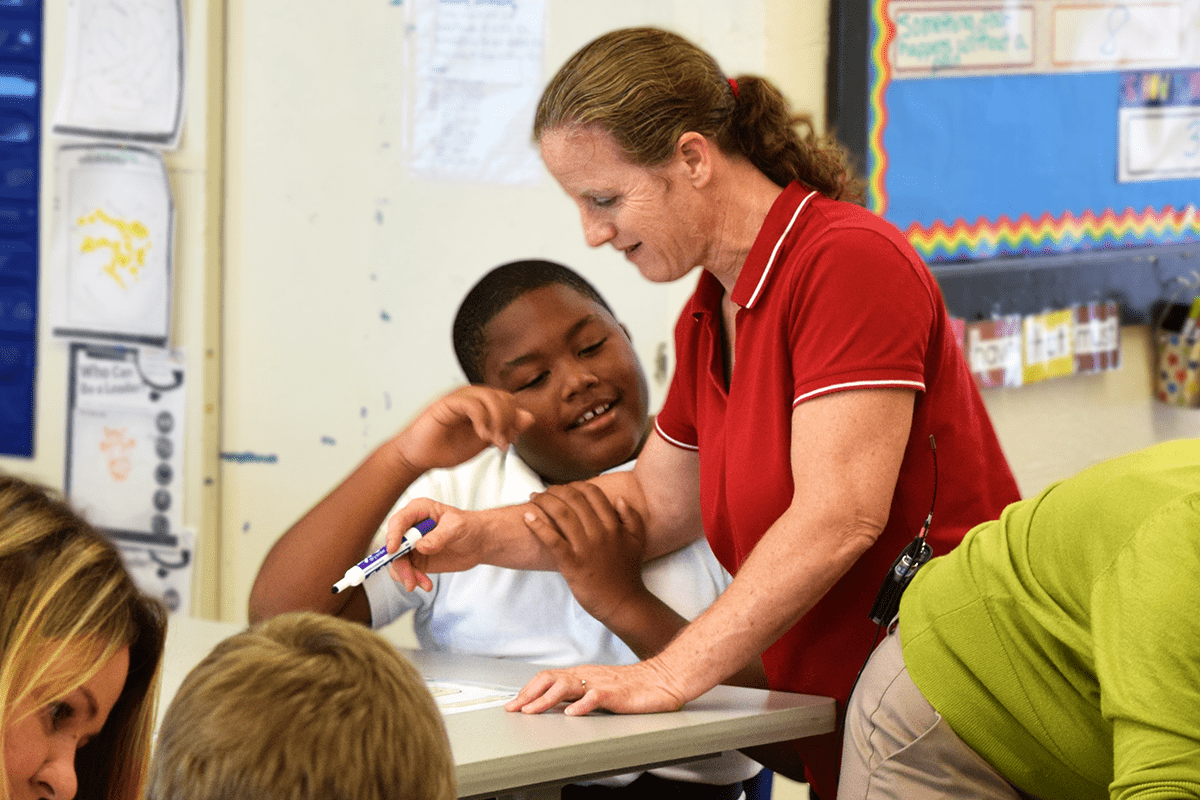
[(478, 68), (927, 39), (984, 37)]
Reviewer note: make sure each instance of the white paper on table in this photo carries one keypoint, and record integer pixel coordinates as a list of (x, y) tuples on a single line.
[(123, 71), (112, 257), (478, 77), (125, 424), (455, 697)]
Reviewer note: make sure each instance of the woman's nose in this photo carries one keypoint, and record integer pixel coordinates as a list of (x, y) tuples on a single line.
[(596, 231), (57, 775)]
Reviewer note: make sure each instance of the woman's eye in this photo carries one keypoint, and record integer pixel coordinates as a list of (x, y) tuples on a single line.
[(60, 713), (603, 202)]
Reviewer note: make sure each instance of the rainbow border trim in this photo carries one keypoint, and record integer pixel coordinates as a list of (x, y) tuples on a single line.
[(880, 75), (1004, 236), (1051, 234)]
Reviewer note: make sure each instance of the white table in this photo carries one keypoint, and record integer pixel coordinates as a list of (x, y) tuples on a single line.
[(501, 753)]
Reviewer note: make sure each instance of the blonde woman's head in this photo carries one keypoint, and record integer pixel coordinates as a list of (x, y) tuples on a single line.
[(79, 646)]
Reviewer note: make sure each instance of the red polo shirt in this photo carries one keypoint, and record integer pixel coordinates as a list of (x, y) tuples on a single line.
[(831, 298)]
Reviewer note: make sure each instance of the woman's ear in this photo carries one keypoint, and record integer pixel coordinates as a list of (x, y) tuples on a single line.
[(694, 153)]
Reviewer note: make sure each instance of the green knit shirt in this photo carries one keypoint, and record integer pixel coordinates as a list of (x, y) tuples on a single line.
[(1062, 642)]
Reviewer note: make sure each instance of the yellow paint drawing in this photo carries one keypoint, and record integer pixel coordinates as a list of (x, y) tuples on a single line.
[(116, 446), (128, 257)]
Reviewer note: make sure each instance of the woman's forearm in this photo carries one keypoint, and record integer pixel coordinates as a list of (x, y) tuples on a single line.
[(772, 590)]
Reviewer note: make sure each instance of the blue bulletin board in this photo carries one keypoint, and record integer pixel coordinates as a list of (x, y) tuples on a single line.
[(1007, 139), (20, 148)]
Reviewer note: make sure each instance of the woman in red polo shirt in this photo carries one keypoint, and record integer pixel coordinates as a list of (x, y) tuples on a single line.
[(815, 360)]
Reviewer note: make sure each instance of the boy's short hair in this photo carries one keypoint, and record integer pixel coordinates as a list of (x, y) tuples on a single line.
[(494, 292), (303, 706)]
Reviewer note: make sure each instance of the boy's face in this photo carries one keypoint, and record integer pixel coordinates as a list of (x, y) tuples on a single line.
[(571, 365)]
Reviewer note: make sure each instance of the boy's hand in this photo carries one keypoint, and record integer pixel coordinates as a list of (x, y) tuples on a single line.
[(459, 426), (597, 547)]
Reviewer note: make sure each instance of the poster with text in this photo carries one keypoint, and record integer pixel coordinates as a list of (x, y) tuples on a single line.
[(125, 441)]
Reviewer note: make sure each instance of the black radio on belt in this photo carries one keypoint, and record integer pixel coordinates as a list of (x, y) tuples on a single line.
[(911, 558)]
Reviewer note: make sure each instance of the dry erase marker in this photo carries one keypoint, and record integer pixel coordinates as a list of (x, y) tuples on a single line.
[(381, 557)]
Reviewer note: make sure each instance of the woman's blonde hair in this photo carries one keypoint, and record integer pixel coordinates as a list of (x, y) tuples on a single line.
[(302, 706), (64, 585), (647, 87)]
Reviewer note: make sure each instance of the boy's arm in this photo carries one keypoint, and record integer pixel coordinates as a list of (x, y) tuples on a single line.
[(599, 549), (334, 535), (663, 487)]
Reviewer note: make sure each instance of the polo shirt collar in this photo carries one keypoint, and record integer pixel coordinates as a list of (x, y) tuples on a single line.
[(780, 220)]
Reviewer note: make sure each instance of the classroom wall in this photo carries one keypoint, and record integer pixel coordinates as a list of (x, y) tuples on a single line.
[(343, 272), (316, 279), (195, 174), (1053, 429)]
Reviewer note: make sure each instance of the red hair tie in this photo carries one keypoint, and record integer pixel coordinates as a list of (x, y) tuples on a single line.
[(733, 85)]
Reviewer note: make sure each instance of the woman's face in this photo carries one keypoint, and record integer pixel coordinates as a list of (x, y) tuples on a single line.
[(651, 214), (41, 741)]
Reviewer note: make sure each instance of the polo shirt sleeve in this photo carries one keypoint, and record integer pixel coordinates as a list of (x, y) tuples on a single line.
[(862, 314), (1147, 650), (676, 422)]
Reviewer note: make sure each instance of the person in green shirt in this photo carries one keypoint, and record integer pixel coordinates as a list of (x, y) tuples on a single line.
[(1054, 654)]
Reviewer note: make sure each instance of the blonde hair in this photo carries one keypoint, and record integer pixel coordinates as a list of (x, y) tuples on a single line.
[(302, 706), (64, 585), (647, 87)]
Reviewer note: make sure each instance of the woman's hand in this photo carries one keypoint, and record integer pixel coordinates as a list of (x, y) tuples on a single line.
[(455, 544), (642, 688), (463, 539)]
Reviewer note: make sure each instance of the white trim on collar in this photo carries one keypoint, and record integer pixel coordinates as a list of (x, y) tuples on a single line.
[(771, 261)]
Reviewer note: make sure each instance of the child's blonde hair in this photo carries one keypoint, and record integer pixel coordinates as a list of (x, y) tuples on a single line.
[(64, 585), (303, 706)]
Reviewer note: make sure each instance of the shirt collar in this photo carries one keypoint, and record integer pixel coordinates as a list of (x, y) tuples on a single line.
[(779, 222)]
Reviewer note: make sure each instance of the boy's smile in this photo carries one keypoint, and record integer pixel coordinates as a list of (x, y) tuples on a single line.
[(594, 413), (569, 363)]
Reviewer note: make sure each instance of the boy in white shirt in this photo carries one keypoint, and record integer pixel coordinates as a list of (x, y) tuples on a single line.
[(553, 374)]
